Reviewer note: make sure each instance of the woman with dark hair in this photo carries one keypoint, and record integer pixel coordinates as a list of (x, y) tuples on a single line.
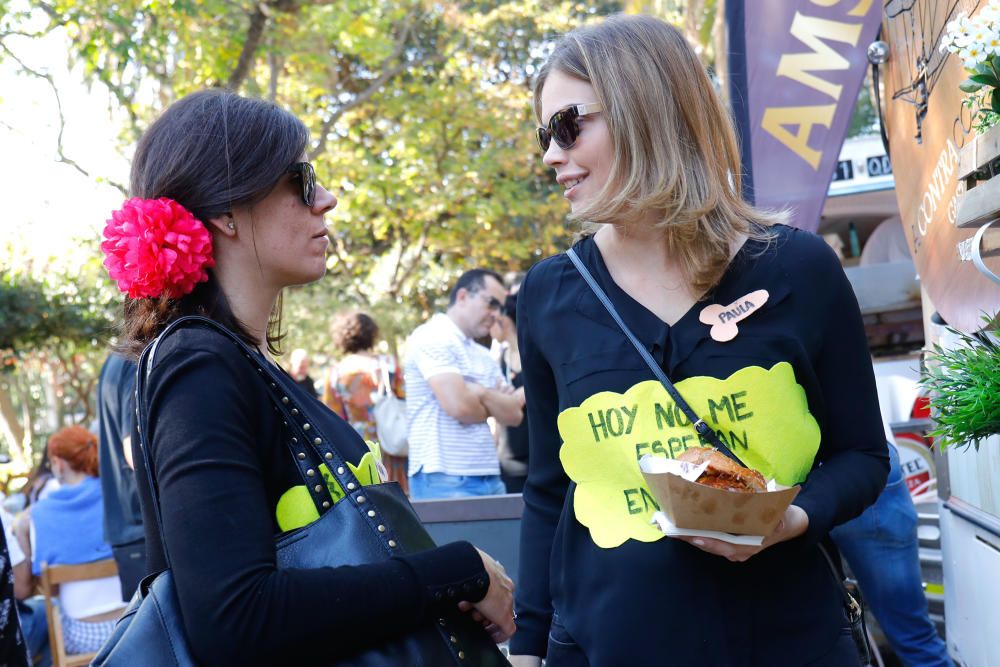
[(226, 213), (67, 528), (752, 321), (357, 378)]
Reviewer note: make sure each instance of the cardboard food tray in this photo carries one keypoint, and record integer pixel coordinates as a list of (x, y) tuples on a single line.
[(700, 507)]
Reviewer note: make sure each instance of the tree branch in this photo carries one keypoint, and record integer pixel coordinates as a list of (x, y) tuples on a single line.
[(258, 21), (276, 65), (338, 250), (62, 157), (397, 285), (21, 33), (387, 74)]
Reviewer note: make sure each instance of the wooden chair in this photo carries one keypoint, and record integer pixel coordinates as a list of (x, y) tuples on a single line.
[(51, 577)]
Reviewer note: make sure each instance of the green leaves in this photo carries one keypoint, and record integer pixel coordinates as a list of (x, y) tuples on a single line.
[(982, 86), (420, 115), (970, 85), (964, 383), (60, 309), (985, 79)]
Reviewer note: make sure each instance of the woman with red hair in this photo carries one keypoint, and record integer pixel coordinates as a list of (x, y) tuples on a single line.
[(66, 528)]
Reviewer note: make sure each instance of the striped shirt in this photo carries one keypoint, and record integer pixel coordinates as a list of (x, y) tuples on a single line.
[(439, 442)]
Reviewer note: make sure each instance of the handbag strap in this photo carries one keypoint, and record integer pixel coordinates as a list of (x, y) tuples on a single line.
[(853, 606), (702, 428), (145, 362), (384, 378), (308, 444)]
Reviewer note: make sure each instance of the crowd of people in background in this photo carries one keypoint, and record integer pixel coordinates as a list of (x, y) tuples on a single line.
[(461, 376)]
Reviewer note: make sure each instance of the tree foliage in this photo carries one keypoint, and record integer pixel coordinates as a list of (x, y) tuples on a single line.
[(55, 321), (421, 124), (419, 112), (52, 311)]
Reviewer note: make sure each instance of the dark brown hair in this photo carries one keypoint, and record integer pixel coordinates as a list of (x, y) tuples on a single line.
[(472, 281), (76, 446), (354, 331), (211, 151)]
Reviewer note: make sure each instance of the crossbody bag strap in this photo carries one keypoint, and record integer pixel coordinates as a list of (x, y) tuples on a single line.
[(142, 374), (384, 378), (703, 429), (853, 607)]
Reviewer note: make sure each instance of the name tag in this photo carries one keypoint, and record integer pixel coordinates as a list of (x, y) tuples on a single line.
[(723, 319)]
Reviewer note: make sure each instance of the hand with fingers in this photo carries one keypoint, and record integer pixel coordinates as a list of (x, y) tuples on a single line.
[(496, 610)]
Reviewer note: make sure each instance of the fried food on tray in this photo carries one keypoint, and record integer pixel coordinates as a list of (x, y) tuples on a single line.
[(723, 472)]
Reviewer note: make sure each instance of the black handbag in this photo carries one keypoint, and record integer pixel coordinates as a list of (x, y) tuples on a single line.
[(370, 524), (852, 603)]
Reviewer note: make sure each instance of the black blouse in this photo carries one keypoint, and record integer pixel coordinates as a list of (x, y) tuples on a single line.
[(223, 471), (793, 394)]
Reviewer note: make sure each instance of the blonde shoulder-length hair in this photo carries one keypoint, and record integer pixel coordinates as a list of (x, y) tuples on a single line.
[(675, 148)]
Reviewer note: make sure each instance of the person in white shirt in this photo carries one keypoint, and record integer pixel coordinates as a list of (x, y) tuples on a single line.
[(453, 386)]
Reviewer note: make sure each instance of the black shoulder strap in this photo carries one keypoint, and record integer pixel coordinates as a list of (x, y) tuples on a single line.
[(703, 429)]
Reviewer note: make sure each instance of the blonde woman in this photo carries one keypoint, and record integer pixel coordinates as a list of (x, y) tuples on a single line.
[(635, 133)]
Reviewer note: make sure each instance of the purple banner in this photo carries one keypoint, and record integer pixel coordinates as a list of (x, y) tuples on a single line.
[(805, 63)]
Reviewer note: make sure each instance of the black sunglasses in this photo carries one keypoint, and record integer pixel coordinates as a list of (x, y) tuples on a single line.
[(492, 302), (563, 126), (305, 173)]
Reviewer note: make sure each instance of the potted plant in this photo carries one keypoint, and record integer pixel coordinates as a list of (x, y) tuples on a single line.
[(976, 40), (964, 386)]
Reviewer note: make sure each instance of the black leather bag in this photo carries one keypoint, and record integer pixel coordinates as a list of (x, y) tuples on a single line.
[(151, 633)]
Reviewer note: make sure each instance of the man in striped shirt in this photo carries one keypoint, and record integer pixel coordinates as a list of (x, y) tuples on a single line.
[(453, 386)]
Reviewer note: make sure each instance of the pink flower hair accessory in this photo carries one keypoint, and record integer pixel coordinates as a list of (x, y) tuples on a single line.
[(156, 247)]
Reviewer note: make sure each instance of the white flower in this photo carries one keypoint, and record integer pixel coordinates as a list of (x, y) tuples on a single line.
[(988, 17), (955, 27), (972, 56), (992, 45)]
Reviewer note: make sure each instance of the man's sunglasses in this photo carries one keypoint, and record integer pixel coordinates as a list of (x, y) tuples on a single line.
[(563, 126), (493, 303), (307, 175)]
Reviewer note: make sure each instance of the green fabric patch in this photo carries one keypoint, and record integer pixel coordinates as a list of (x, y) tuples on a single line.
[(762, 415), (296, 508)]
